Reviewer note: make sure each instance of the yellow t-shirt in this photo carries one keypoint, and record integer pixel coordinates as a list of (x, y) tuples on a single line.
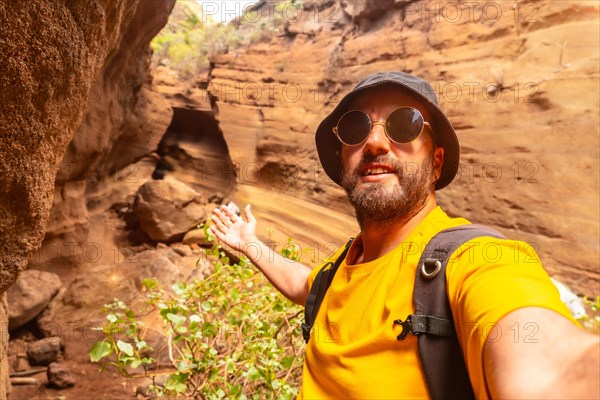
[(353, 351)]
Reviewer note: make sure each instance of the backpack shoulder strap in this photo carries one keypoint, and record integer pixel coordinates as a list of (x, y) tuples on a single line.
[(439, 350), (318, 289)]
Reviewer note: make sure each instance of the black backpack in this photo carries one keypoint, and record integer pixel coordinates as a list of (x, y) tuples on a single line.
[(443, 363)]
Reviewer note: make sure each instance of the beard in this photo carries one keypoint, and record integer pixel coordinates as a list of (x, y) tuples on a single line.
[(375, 202)]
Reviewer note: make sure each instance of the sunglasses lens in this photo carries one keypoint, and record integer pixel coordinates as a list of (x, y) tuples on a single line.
[(354, 127), (404, 124)]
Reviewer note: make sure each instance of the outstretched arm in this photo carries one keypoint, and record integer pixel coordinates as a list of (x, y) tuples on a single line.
[(289, 277), (563, 362)]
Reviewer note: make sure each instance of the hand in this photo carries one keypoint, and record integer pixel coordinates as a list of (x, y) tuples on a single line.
[(232, 230)]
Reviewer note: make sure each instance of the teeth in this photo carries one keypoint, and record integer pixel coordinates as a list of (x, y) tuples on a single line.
[(373, 171)]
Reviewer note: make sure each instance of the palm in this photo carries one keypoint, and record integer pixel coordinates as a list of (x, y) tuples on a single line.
[(232, 230), (240, 233)]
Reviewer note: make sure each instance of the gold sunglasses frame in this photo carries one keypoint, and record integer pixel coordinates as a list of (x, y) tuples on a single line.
[(381, 122)]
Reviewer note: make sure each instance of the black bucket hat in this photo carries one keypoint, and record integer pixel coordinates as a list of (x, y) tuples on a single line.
[(329, 147)]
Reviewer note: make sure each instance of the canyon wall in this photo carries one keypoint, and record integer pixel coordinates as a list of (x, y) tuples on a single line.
[(519, 81), (54, 54), (124, 120)]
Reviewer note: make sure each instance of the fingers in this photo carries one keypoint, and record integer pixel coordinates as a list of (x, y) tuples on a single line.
[(215, 231), (220, 219), (218, 222), (248, 214), (228, 212), (223, 219)]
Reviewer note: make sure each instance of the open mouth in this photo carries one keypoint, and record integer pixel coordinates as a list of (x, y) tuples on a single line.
[(377, 170)]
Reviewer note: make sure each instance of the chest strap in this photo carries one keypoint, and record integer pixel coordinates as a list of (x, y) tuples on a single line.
[(432, 322), (318, 290)]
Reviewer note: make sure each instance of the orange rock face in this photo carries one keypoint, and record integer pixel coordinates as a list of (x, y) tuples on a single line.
[(51, 53), (518, 81), (124, 119)]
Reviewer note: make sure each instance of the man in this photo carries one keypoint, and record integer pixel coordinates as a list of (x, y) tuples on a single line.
[(390, 146)]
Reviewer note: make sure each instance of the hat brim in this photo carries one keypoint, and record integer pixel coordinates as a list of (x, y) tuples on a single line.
[(329, 147)]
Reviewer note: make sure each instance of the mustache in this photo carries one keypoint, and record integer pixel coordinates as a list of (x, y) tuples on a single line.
[(378, 159)]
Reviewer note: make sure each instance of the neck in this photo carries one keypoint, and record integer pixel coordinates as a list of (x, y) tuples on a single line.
[(379, 239)]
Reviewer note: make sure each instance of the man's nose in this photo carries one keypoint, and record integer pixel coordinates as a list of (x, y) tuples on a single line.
[(377, 141)]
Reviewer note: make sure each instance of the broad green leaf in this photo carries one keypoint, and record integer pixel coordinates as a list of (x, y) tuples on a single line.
[(125, 347), (252, 373), (164, 311), (287, 362), (234, 390), (212, 375), (181, 329), (195, 318), (142, 345), (176, 319), (178, 288), (231, 366), (176, 387), (184, 366), (99, 350), (112, 318), (179, 377)]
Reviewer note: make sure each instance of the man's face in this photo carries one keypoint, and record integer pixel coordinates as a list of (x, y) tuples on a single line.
[(387, 181)]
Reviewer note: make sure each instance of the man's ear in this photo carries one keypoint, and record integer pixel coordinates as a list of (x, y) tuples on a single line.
[(438, 161)]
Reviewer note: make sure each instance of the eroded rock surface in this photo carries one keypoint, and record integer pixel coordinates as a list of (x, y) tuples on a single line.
[(517, 82), (124, 120), (60, 376), (30, 295), (44, 351), (514, 81), (167, 209), (51, 55)]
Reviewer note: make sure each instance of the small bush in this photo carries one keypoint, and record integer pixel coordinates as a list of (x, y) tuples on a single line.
[(231, 335), (591, 321), (189, 39)]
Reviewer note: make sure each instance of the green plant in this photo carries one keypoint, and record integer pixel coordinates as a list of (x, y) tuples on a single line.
[(291, 250), (591, 321), (231, 335), (190, 37)]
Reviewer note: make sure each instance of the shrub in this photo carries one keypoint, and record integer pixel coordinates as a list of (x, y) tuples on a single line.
[(189, 39), (591, 321), (231, 335)]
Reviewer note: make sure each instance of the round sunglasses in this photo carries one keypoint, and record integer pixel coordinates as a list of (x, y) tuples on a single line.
[(403, 125)]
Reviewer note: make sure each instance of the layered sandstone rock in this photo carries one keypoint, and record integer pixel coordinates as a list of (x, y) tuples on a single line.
[(520, 82), (51, 54), (167, 209), (124, 120)]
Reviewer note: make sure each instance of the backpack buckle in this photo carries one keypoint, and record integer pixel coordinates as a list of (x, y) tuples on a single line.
[(431, 267), (406, 327), (305, 332)]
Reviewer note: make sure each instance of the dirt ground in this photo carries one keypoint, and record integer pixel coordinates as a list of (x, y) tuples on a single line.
[(90, 383)]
